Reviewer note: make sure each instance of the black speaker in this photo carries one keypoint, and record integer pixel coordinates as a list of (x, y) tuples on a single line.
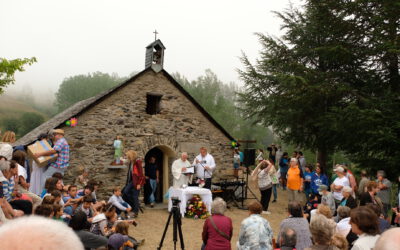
[(249, 157)]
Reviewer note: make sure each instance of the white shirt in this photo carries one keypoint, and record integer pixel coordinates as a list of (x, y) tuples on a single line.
[(179, 178), (22, 172), (343, 227), (207, 160), (116, 201), (365, 242), (340, 182)]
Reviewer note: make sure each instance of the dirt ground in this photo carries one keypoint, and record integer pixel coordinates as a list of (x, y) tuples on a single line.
[(151, 224)]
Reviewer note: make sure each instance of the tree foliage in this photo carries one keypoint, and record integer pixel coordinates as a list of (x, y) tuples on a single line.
[(9, 67), (220, 100), (331, 81), (80, 87), (29, 121)]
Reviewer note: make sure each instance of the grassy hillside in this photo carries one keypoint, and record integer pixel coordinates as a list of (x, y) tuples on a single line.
[(11, 108)]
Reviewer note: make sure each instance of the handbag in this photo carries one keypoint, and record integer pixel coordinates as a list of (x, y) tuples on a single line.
[(217, 229)]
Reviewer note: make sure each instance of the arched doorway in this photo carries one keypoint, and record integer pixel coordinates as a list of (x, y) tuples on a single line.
[(164, 156)]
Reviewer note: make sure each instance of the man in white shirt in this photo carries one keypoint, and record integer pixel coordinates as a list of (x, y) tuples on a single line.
[(205, 166), (338, 184), (179, 168)]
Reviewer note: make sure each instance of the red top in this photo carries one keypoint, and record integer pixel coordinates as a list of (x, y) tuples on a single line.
[(213, 240), (137, 174)]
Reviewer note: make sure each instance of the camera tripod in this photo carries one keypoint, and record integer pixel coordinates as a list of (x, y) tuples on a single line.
[(176, 227), (246, 188)]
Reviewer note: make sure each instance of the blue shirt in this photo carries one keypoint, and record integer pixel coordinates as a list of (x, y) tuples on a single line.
[(317, 180), (307, 176), (283, 165), (8, 188)]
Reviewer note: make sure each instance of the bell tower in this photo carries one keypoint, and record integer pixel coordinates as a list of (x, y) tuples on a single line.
[(155, 56)]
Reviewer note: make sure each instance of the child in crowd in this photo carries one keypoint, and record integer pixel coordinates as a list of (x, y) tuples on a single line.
[(44, 210), (118, 241), (327, 198), (95, 184), (87, 207), (58, 212), (88, 190), (72, 200), (48, 200), (122, 227), (312, 204), (118, 202), (83, 179), (57, 197)]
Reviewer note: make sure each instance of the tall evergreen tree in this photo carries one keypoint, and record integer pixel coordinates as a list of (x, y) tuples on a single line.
[(301, 80)]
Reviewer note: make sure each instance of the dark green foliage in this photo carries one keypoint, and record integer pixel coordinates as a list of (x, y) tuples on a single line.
[(29, 121), (11, 124), (220, 100), (9, 67), (331, 82), (81, 87)]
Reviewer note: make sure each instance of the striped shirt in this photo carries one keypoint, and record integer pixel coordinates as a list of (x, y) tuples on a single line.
[(8, 188), (62, 148)]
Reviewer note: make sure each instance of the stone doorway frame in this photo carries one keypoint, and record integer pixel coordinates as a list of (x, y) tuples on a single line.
[(168, 153)]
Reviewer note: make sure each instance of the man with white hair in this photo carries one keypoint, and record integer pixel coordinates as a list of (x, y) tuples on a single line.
[(36, 233), (179, 168), (389, 240)]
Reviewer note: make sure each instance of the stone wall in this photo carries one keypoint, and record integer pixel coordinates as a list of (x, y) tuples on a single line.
[(180, 126)]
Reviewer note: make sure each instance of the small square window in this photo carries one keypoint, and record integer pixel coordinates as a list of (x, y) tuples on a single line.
[(153, 103)]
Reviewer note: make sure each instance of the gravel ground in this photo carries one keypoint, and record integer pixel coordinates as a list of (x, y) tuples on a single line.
[(152, 222)]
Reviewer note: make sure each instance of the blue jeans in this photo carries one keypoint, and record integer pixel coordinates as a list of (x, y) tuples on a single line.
[(274, 191), (153, 185), (125, 204)]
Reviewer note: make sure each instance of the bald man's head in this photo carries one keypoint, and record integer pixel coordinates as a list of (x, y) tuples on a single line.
[(36, 232), (389, 240)]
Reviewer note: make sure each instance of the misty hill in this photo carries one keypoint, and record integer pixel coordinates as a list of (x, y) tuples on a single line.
[(19, 116)]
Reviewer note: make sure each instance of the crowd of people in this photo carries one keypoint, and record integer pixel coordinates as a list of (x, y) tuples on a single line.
[(42, 192), (334, 212), (323, 213)]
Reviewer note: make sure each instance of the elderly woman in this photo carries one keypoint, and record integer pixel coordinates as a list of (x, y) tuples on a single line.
[(364, 223), (255, 231), (6, 148), (299, 224), (348, 199), (370, 196), (322, 230), (217, 229)]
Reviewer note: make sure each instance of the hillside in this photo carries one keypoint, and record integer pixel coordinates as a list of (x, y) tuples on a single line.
[(11, 108)]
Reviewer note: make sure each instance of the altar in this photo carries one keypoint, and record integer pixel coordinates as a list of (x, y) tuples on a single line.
[(185, 194)]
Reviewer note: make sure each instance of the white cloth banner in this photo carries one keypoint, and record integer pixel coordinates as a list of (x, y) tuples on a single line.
[(185, 194)]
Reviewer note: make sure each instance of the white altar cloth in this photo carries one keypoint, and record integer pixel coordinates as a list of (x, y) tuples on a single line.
[(185, 194)]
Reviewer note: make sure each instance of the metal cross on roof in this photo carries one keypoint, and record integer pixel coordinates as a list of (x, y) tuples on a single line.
[(155, 34)]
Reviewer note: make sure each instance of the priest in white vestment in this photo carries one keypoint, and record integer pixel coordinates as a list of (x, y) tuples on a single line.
[(179, 167)]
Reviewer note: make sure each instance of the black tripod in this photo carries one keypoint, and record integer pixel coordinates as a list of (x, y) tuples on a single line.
[(247, 188), (177, 225)]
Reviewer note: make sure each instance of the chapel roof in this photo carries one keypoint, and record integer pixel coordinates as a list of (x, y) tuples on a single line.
[(81, 106)]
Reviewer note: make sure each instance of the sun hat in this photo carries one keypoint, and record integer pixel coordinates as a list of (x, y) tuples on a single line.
[(322, 188), (58, 131)]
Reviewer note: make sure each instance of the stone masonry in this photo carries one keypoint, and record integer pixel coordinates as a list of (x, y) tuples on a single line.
[(180, 126)]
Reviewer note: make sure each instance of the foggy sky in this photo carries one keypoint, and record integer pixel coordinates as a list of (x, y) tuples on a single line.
[(71, 37)]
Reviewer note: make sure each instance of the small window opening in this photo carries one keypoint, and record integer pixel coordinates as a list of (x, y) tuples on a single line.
[(153, 103)]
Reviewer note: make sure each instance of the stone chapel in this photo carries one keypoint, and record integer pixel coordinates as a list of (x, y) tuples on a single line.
[(155, 116)]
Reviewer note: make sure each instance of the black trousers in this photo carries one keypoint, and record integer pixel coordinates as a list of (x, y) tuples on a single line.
[(25, 206), (207, 183), (265, 198)]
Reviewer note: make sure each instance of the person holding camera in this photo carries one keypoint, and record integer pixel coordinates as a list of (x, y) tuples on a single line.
[(263, 174)]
